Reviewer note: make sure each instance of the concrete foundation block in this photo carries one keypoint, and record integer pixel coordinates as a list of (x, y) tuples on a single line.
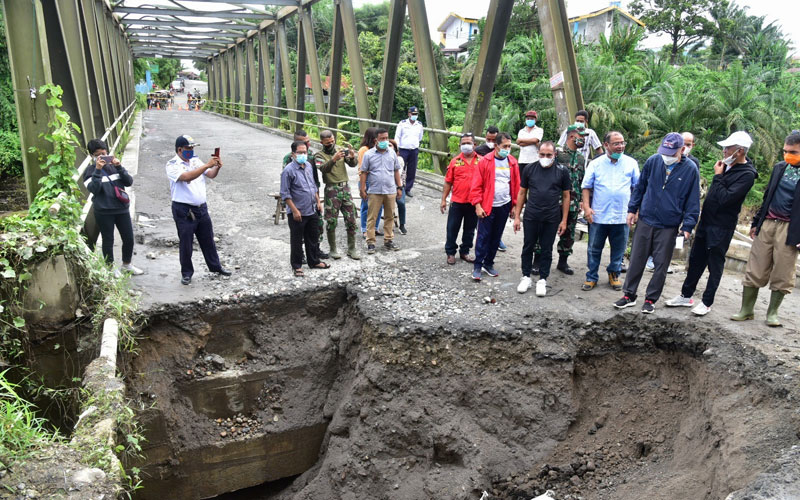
[(52, 295)]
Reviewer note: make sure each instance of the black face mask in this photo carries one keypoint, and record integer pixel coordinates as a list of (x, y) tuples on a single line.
[(330, 147), (580, 144)]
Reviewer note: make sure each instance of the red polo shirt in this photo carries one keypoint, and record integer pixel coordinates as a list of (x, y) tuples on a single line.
[(459, 174)]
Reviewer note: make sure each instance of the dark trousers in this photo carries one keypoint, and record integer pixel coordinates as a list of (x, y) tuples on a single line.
[(655, 241), (194, 221), (708, 250), (458, 213), (543, 235), (300, 232), (410, 157), (490, 232), (106, 224)]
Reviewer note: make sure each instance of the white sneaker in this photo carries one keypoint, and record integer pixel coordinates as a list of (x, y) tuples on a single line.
[(117, 273), (541, 288), (680, 301), (130, 268), (524, 284), (701, 309)]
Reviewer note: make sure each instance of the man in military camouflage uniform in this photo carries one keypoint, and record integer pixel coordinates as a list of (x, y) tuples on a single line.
[(571, 158), (332, 162)]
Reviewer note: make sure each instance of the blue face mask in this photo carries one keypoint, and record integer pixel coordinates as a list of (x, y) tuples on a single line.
[(503, 153), (383, 145), (616, 156), (413, 118), (530, 123), (187, 154), (301, 158)]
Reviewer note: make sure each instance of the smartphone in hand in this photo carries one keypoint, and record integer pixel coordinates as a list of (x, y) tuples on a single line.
[(216, 152), (108, 159)]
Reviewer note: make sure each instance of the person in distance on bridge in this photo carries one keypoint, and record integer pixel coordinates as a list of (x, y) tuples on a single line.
[(459, 179), (381, 169), (408, 136), (333, 162), (606, 190), (301, 195), (528, 141), (302, 136), (666, 203), (495, 184), (546, 213), (110, 203), (592, 147), (488, 147), (733, 178), (187, 181), (776, 236)]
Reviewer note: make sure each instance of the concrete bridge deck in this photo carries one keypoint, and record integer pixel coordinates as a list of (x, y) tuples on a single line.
[(414, 285)]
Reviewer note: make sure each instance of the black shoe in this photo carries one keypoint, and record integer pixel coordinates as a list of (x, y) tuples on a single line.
[(186, 280), (409, 194), (403, 230), (648, 307), (370, 248), (323, 255), (625, 302), (389, 245), (564, 267), (223, 272)]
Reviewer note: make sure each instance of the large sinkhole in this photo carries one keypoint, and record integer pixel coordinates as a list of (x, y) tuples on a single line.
[(307, 396)]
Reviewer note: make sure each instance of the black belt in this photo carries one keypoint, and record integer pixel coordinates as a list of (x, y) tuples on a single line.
[(188, 204)]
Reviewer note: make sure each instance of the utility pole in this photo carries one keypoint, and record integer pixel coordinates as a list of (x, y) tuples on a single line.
[(561, 63)]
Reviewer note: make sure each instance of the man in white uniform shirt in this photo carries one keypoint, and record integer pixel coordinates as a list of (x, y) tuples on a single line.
[(408, 135), (528, 141), (187, 183)]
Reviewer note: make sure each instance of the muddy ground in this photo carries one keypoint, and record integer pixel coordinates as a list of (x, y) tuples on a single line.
[(479, 418)]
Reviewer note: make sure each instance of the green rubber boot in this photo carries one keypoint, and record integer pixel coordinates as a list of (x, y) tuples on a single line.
[(749, 296), (352, 252), (332, 244), (772, 311)]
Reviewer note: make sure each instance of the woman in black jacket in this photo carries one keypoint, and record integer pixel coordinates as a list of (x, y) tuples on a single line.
[(110, 202)]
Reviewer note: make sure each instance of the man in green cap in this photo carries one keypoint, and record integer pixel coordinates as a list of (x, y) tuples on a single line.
[(571, 158)]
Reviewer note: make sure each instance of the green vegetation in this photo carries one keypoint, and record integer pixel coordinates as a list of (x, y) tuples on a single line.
[(168, 70), (21, 431), (10, 148)]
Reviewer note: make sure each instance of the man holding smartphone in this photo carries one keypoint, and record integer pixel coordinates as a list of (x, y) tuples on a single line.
[(187, 181)]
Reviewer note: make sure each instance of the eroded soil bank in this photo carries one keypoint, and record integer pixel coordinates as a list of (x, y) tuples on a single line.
[(316, 386)]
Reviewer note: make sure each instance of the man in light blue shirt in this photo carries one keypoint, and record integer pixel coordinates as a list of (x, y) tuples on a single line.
[(408, 136), (606, 188), (187, 176)]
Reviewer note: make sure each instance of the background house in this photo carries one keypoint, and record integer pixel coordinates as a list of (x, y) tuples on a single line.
[(455, 32), (589, 27)]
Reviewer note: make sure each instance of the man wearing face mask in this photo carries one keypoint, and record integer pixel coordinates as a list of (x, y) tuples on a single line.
[(776, 237), (495, 184), (488, 147), (733, 178), (606, 190), (332, 162), (187, 182), (528, 141), (666, 202), (591, 147), (546, 213), (380, 165), (408, 136), (688, 145), (459, 180)]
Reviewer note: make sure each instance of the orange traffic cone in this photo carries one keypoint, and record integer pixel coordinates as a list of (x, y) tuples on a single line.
[(158, 106)]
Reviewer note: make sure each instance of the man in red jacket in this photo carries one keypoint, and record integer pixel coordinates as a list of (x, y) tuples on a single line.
[(495, 184)]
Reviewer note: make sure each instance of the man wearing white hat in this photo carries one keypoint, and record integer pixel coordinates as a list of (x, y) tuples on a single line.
[(733, 178), (776, 236)]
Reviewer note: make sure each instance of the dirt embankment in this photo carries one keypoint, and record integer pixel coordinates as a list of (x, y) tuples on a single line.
[(623, 409)]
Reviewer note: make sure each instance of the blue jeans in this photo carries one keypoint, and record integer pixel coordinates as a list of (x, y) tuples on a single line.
[(617, 235), (456, 214), (364, 209), (401, 208), (490, 232)]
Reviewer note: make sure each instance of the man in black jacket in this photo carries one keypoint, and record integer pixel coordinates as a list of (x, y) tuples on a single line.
[(776, 237), (733, 178)]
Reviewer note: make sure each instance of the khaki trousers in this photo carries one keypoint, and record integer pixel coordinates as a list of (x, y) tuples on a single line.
[(771, 260), (374, 205)]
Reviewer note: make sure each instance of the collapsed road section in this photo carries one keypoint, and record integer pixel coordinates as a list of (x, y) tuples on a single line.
[(309, 396)]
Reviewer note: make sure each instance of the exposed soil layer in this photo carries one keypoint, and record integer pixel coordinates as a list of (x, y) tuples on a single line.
[(623, 409)]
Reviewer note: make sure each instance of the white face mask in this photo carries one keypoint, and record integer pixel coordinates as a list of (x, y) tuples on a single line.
[(729, 160), (490, 145), (688, 150), (545, 162), (669, 160), (466, 149)]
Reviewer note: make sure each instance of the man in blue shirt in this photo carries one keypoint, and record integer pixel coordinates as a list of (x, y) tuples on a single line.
[(381, 168), (606, 190), (408, 135), (301, 195), (187, 182), (666, 203)]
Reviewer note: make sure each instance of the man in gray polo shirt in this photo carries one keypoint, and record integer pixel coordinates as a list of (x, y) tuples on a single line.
[(380, 165)]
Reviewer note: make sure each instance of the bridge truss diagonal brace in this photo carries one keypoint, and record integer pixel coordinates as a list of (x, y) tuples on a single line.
[(304, 18), (429, 79), (337, 50), (265, 83), (286, 70), (391, 59), (348, 17)]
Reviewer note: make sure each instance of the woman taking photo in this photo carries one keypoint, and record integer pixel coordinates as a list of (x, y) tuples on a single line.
[(107, 180)]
